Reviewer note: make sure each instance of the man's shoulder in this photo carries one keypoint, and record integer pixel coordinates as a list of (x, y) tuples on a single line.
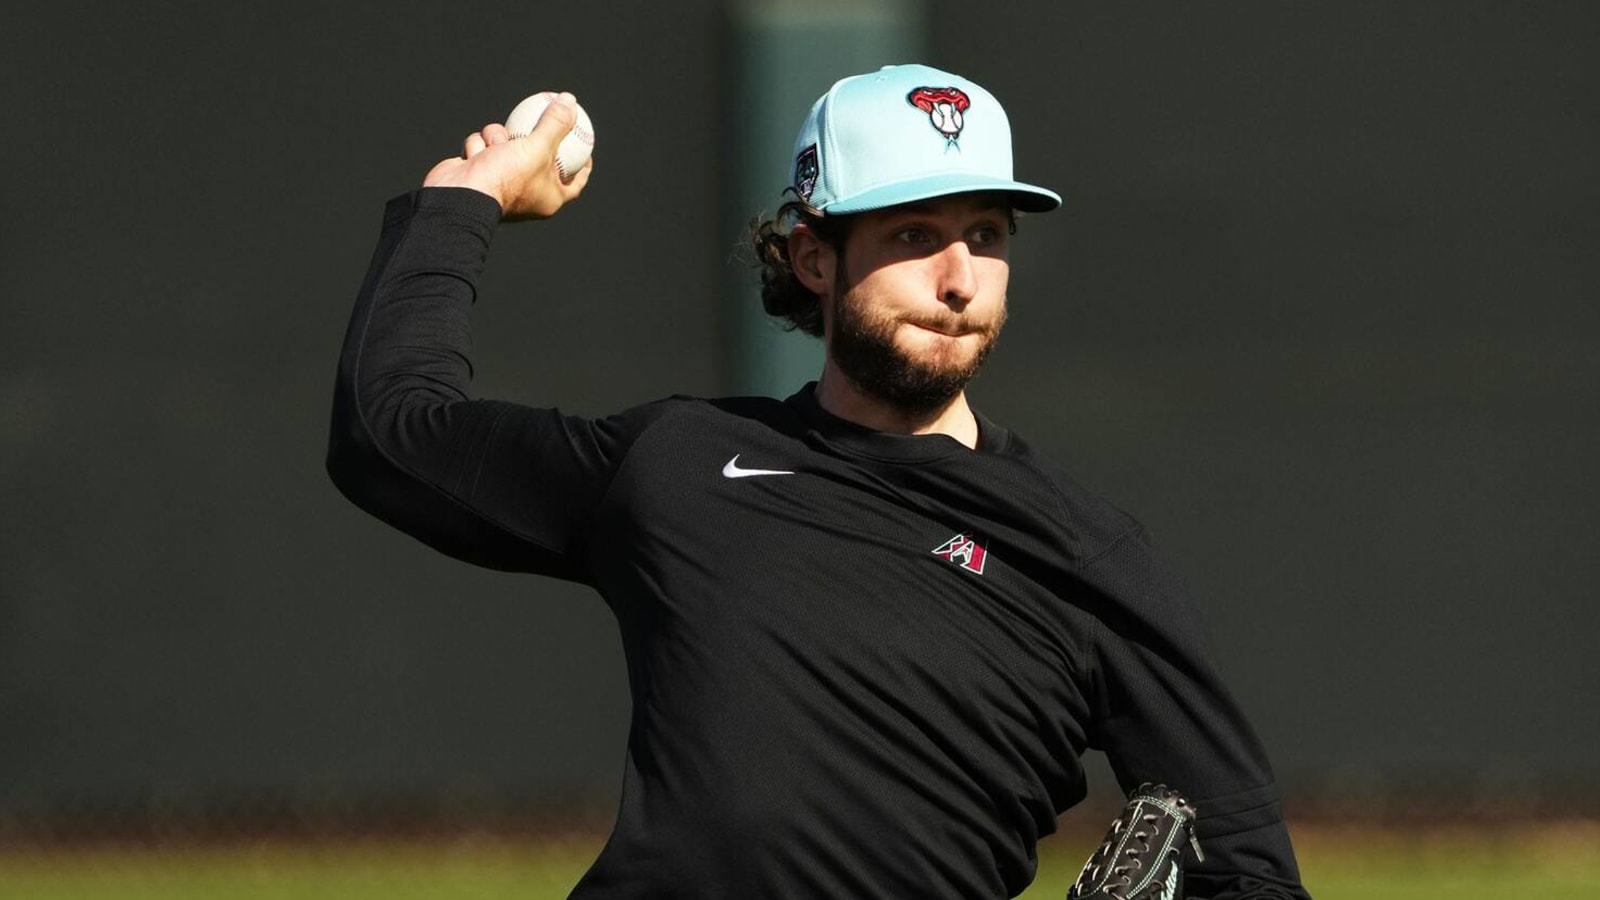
[(1090, 521), (706, 413), (692, 405)]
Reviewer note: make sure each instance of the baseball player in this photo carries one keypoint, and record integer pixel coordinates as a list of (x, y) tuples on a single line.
[(869, 632)]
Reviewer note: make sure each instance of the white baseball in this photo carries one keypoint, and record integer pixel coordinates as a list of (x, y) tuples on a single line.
[(575, 147)]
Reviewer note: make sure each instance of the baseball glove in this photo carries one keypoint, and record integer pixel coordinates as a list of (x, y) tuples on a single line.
[(1141, 857)]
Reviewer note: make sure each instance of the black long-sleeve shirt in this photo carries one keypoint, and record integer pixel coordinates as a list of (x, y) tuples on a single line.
[(863, 665)]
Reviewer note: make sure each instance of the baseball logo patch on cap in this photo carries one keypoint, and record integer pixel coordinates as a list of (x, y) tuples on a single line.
[(805, 172), (863, 145), (944, 106)]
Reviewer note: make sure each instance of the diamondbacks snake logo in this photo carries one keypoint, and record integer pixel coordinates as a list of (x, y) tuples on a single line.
[(945, 107)]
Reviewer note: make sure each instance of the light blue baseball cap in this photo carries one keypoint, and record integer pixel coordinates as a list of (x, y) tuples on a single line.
[(906, 133)]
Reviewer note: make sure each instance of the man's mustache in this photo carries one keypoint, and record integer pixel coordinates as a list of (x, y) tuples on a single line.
[(953, 325)]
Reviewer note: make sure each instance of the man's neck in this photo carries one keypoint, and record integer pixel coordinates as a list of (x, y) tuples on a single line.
[(840, 397)]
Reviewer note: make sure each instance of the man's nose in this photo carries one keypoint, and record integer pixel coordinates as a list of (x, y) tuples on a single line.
[(958, 277)]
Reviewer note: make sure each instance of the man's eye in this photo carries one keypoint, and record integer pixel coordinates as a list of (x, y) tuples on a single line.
[(988, 235), (912, 236)]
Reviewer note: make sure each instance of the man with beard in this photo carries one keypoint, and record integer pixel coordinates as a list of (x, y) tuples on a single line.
[(869, 632)]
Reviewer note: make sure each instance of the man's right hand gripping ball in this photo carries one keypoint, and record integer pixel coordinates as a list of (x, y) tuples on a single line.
[(519, 173)]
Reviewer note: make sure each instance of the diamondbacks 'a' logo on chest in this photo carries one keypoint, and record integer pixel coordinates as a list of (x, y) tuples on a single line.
[(965, 551)]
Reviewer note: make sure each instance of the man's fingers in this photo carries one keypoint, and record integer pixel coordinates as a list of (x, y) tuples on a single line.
[(521, 175), (557, 118), (581, 178), (570, 188), (492, 134)]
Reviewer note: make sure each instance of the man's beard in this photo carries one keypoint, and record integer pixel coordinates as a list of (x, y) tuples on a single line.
[(863, 347)]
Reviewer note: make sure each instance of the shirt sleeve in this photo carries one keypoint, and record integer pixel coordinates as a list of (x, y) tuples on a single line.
[(496, 484), (1162, 714)]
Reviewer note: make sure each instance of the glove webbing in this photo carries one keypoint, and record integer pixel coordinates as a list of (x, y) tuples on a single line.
[(1141, 857)]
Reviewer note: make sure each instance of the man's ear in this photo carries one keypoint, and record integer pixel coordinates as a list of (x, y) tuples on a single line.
[(812, 260)]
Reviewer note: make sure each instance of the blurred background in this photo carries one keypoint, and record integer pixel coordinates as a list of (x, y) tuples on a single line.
[(1320, 310)]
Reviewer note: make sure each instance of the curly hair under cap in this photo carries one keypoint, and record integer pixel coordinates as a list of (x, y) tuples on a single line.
[(782, 294)]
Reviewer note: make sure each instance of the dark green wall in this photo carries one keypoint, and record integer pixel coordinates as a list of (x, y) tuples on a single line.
[(1320, 310)]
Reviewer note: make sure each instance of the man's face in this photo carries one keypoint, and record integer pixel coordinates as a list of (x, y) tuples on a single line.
[(920, 297)]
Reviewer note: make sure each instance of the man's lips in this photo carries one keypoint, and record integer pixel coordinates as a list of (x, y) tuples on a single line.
[(948, 330)]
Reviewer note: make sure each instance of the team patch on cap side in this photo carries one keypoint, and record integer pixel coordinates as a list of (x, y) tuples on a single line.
[(805, 172)]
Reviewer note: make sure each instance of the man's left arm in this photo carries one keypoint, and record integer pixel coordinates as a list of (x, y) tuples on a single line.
[(1162, 714)]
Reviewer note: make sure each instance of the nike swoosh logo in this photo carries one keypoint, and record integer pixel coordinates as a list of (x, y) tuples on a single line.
[(733, 470)]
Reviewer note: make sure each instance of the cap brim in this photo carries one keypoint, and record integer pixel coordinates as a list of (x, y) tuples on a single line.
[(1024, 197)]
